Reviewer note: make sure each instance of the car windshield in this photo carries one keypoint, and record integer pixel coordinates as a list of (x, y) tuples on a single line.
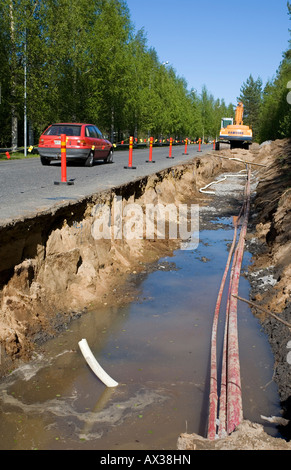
[(59, 129)]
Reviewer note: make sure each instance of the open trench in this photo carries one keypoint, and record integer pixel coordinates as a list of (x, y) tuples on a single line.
[(146, 309)]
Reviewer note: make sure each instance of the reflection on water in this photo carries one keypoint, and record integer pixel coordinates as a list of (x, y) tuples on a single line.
[(157, 349)]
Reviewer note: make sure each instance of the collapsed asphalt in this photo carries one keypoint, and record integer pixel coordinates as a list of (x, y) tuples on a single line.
[(27, 187)]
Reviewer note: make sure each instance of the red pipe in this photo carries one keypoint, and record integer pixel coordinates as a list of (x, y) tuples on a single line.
[(230, 404), (213, 397), (234, 397), (223, 386), (213, 374)]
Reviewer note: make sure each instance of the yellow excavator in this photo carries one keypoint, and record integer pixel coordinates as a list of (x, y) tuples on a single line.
[(235, 134)]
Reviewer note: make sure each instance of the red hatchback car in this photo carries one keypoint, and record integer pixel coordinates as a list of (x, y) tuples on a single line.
[(84, 142)]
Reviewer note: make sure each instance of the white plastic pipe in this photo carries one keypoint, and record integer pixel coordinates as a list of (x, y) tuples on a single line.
[(202, 190), (95, 366)]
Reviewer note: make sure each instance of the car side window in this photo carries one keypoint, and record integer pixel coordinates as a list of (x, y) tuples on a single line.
[(99, 133), (92, 132)]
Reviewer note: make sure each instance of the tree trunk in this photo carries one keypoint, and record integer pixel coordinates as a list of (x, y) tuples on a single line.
[(14, 130), (14, 119)]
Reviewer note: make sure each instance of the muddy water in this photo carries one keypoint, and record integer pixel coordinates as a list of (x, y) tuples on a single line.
[(157, 348)]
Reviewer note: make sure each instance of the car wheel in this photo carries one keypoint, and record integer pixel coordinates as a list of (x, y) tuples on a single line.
[(45, 161), (109, 158), (90, 160)]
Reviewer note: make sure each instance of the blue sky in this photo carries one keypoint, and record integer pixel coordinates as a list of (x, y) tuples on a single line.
[(216, 43)]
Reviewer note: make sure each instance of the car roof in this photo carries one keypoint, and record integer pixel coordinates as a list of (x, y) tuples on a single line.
[(71, 124)]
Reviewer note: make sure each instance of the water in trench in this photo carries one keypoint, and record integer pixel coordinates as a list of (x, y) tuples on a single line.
[(157, 348)]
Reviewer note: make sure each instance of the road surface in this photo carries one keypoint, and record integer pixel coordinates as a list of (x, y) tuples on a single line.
[(27, 187)]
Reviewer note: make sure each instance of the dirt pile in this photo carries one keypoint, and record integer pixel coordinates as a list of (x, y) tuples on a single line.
[(247, 436)]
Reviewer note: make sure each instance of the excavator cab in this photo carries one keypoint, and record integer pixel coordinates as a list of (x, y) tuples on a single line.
[(226, 122)]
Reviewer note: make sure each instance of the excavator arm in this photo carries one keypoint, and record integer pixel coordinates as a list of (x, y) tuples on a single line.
[(239, 113)]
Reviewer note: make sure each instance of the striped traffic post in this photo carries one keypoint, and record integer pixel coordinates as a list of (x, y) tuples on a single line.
[(130, 155), (170, 149), (199, 150), (64, 158), (64, 162), (150, 160), (186, 144)]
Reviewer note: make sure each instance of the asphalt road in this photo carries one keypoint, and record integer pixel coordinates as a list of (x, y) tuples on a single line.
[(27, 187)]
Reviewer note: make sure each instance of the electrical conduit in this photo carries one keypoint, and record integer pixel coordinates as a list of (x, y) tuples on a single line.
[(230, 403)]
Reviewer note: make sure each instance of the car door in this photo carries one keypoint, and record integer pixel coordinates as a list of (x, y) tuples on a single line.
[(92, 139), (104, 145)]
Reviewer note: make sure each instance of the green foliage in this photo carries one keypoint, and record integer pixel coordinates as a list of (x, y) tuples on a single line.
[(251, 97), (86, 63), (275, 116)]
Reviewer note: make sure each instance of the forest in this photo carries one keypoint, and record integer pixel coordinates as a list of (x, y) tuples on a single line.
[(83, 61)]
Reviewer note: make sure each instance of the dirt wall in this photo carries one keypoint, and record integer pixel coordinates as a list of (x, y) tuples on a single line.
[(53, 269), (270, 273)]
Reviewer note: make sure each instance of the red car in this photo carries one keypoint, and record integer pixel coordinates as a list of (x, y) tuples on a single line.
[(84, 142)]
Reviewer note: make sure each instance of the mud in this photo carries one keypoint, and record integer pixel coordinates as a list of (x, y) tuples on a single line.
[(52, 270)]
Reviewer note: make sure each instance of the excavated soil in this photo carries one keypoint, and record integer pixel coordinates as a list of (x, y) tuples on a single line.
[(52, 269), (269, 241), (270, 273)]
